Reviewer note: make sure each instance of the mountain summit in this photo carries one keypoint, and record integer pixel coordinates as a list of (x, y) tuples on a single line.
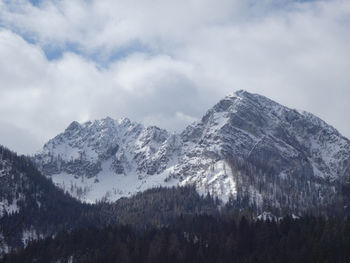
[(247, 149)]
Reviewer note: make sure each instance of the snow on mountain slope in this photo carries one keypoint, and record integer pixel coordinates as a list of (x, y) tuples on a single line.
[(247, 147), (278, 157), (251, 126), (108, 159)]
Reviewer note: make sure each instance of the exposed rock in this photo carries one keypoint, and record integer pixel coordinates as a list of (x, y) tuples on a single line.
[(247, 148)]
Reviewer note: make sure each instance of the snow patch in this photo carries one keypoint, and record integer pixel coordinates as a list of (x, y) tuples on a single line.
[(108, 186), (4, 248), (9, 208), (267, 216), (30, 235), (217, 179)]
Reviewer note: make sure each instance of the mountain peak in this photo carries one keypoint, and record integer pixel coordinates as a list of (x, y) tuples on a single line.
[(243, 94), (108, 119), (73, 126), (254, 98), (124, 121), (239, 93), (244, 100), (247, 147)]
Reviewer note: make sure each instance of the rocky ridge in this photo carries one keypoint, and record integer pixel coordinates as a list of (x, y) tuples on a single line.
[(247, 149)]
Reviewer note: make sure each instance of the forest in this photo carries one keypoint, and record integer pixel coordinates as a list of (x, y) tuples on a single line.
[(201, 238), (158, 225)]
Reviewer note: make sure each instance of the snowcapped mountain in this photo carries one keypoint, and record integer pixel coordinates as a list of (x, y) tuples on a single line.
[(274, 156), (247, 148), (109, 159), (32, 207)]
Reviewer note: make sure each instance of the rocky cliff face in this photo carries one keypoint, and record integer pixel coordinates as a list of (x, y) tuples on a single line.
[(82, 148), (115, 156), (247, 148), (270, 155)]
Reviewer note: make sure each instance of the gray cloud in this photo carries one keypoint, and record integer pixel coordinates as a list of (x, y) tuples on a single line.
[(195, 53), (20, 140)]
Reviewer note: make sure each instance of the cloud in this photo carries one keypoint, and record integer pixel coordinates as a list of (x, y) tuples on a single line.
[(166, 62), (18, 139), (45, 96), (107, 26)]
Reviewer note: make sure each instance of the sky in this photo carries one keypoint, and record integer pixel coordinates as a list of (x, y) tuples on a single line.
[(165, 63)]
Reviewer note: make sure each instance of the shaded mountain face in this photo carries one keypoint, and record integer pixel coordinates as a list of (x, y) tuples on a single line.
[(247, 149)]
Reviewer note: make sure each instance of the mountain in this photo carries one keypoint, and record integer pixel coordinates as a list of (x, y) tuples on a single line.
[(247, 150), (32, 207), (109, 159), (278, 157)]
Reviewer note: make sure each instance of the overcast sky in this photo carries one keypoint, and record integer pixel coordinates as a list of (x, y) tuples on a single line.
[(165, 62)]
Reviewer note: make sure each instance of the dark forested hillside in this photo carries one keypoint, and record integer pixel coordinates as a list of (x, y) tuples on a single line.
[(279, 195), (32, 207), (200, 239), (158, 206), (158, 225)]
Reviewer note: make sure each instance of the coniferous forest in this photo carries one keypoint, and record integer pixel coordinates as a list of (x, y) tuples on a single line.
[(158, 225), (199, 239)]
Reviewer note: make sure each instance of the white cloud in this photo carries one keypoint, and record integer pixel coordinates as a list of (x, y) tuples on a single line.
[(195, 53), (109, 25), (44, 96)]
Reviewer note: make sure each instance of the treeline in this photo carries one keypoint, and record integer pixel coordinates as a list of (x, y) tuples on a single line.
[(158, 207), (37, 203), (261, 187), (165, 225), (200, 239), (43, 209)]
